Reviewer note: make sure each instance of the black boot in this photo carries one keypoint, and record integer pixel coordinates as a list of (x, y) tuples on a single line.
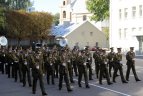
[(109, 83), (69, 90), (87, 86), (44, 93)]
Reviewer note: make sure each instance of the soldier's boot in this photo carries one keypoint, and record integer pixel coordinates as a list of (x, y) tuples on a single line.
[(100, 82), (114, 81), (109, 83), (90, 77), (44, 93), (69, 88), (87, 86), (53, 83), (79, 85), (124, 81), (48, 81), (137, 79)]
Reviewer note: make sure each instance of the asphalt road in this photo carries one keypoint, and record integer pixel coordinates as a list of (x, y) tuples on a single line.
[(10, 88)]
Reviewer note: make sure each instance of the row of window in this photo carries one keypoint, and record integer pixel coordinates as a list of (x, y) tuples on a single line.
[(135, 10), (124, 32), (91, 33), (84, 16)]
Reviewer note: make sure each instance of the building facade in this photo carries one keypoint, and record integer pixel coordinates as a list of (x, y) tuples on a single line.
[(74, 11), (81, 35), (126, 25), (76, 26)]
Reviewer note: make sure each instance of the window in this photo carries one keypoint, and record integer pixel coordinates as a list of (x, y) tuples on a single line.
[(64, 3), (133, 12), (133, 30), (84, 17), (125, 13), (140, 10), (96, 44), (120, 14), (91, 33), (64, 14), (125, 33), (119, 33), (140, 28)]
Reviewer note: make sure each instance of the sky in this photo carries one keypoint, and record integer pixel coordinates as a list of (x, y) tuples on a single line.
[(51, 6)]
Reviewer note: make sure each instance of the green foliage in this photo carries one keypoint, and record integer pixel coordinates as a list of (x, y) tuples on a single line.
[(15, 4), (106, 31), (56, 19), (99, 8), (1, 17)]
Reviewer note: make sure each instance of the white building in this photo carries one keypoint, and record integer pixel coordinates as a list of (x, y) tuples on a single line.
[(81, 34), (126, 24), (75, 25)]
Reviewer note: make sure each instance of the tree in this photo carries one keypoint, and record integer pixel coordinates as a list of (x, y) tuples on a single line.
[(2, 21), (41, 24), (23, 25), (56, 19), (17, 25), (99, 8), (106, 31), (15, 4)]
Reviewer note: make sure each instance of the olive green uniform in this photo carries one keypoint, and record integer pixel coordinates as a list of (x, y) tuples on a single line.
[(103, 68), (118, 66), (63, 71), (131, 65), (37, 73), (82, 69)]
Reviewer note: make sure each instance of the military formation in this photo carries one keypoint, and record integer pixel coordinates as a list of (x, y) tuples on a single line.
[(28, 66)]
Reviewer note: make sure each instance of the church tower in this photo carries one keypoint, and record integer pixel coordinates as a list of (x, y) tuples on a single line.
[(65, 11)]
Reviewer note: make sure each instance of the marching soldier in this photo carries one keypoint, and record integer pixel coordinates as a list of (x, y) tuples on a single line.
[(96, 56), (103, 68), (26, 65), (69, 65), (131, 64), (50, 69), (16, 65), (56, 58), (89, 63), (82, 69), (63, 71), (74, 61), (10, 67), (20, 57), (118, 66), (2, 60), (110, 58), (37, 72)]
